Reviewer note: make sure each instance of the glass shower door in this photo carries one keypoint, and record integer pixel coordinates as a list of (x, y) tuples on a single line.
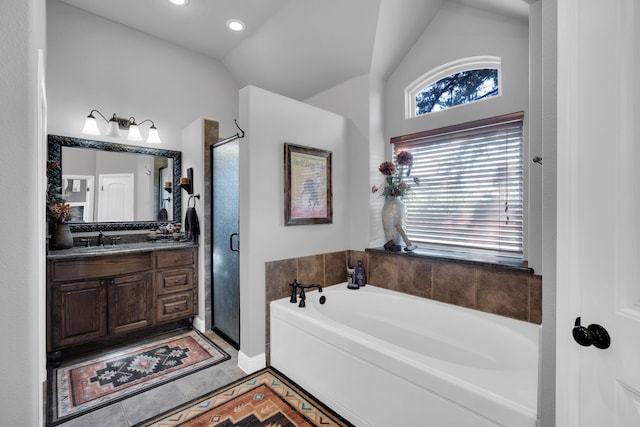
[(226, 255)]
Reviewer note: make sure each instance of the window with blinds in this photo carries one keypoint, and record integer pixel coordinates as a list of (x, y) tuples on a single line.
[(470, 195)]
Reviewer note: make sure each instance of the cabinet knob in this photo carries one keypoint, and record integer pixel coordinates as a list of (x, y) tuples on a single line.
[(177, 281), (175, 259)]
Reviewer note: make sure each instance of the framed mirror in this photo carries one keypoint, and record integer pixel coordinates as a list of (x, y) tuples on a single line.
[(116, 186)]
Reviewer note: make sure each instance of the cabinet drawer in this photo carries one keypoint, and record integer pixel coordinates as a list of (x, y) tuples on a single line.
[(174, 307), (172, 281), (168, 259), (101, 266)]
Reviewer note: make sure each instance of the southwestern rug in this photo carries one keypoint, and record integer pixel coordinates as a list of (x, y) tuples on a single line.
[(265, 398), (78, 387)]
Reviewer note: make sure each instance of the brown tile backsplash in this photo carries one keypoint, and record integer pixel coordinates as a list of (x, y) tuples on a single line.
[(535, 299), (455, 283), (335, 268), (503, 293), (415, 277), (381, 270), (311, 269), (515, 294)]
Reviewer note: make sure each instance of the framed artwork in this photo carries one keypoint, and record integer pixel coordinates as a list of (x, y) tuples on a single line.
[(307, 185)]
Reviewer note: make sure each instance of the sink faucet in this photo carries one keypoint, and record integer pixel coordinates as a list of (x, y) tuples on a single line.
[(294, 292), (101, 239)]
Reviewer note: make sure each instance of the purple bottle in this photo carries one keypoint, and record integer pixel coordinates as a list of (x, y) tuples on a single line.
[(360, 276)]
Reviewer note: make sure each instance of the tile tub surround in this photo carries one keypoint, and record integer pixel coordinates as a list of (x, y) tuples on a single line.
[(506, 292)]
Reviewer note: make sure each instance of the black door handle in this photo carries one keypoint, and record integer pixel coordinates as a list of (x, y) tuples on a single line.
[(231, 243), (593, 334)]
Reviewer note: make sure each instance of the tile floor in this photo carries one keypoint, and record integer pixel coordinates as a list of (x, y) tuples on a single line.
[(138, 408)]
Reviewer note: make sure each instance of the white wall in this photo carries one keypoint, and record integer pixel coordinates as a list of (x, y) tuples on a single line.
[(22, 245), (357, 100), (458, 32), (192, 157), (94, 63), (270, 120), (376, 107)]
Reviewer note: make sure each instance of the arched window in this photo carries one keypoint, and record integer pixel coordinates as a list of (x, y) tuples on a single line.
[(456, 83)]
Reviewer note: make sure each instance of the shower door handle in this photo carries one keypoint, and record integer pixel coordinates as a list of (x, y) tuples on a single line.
[(231, 243)]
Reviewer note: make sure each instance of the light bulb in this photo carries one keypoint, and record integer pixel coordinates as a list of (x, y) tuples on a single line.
[(91, 126), (113, 129), (134, 133), (153, 136)]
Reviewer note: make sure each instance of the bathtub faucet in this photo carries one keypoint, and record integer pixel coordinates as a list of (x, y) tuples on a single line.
[(294, 292)]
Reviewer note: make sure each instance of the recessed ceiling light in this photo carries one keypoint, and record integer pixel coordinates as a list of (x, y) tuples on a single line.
[(180, 2), (235, 24)]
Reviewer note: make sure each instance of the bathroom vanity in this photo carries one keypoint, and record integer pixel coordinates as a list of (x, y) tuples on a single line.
[(105, 294)]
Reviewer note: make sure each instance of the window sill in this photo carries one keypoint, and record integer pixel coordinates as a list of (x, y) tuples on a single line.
[(480, 260)]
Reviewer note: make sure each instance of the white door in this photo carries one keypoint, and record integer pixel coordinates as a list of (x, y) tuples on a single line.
[(598, 246), (115, 197)]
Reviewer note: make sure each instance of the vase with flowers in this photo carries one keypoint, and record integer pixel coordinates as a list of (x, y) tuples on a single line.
[(396, 187), (58, 214)]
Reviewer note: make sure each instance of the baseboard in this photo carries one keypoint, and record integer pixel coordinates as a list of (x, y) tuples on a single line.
[(199, 324), (251, 364)]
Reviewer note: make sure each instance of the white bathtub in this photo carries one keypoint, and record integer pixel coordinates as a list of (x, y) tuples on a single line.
[(384, 358)]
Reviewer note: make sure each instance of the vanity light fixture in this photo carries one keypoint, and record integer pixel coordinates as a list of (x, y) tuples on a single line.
[(180, 2), (115, 124)]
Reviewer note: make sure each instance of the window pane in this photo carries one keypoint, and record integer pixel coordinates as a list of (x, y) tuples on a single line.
[(471, 189), (457, 89)]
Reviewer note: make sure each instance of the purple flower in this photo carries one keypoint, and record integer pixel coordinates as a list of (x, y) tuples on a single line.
[(387, 168), (404, 158), (394, 173)]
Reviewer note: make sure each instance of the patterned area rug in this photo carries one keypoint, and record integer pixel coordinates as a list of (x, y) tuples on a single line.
[(266, 398), (80, 387)]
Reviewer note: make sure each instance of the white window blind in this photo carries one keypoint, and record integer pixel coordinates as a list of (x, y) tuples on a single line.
[(470, 195)]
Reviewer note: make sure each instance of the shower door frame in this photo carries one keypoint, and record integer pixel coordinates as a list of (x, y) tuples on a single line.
[(231, 340)]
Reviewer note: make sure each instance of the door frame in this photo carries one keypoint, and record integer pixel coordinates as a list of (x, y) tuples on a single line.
[(568, 291)]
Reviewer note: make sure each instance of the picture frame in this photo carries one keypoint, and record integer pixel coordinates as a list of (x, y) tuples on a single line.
[(307, 185)]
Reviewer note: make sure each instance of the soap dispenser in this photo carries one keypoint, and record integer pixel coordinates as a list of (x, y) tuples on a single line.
[(360, 275)]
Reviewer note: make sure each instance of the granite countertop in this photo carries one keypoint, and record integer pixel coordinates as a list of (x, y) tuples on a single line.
[(122, 248)]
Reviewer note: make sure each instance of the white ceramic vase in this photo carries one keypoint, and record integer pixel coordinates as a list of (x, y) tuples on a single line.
[(394, 212)]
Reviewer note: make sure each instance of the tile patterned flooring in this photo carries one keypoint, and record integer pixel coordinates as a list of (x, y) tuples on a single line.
[(159, 399)]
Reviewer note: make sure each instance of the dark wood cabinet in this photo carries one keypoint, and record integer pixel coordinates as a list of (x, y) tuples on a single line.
[(95, 298), (175, 280), (78, 312), (130, 302)]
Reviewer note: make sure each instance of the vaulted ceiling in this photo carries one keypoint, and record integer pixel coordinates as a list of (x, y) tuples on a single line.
[(293, 47)]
